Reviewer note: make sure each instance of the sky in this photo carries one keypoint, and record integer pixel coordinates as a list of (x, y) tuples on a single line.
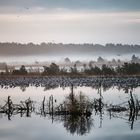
[(70, 21)]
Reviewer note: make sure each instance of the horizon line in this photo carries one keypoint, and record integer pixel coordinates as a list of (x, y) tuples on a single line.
[(80, 43)]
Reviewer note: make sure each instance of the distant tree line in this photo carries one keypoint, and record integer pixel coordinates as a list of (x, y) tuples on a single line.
[(125, 69), (11, 49), (54, 69)]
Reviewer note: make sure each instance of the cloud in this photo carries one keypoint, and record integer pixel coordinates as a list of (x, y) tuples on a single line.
[(113, 5), (69, 27), (78, 21)]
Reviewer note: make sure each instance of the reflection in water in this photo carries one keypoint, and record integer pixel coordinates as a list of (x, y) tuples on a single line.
[(134, 107), (78, 124), (23, 88), (76, 112), (55, 82), (25, 107), (98, 105), (128, 110)]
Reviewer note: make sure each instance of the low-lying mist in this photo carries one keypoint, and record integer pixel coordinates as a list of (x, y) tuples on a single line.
[(15, 52)]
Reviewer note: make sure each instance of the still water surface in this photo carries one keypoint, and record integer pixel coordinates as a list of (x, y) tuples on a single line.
[(102, 125)]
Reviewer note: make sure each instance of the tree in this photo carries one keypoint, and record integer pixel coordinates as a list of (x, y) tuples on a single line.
[(100, 60), (129, 69), (90, 64), (135, 59), (85, 67), (93, 70), (52, 69), (67, 60), (21, 71), (74, 69), (63, 71), (107, 70), (97, 70)]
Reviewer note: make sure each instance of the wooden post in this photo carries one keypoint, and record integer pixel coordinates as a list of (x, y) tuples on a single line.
[(9, 111), (52, 104), (43, 105), (49, 104)]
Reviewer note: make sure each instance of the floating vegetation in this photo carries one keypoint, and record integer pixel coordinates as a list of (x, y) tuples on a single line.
[(54, 82)]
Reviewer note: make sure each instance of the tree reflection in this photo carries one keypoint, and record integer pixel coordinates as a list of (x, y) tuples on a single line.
[(10, 109), (98, 104), (78, 124), (128, 111), (23, 88), (75, 112), (134, 108)]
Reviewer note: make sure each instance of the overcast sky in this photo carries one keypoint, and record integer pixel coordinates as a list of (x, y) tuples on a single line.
[(70, 21)]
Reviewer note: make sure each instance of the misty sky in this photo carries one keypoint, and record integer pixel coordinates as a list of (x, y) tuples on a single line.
[(70, 21)]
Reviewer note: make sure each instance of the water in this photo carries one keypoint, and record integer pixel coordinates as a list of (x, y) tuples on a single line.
[(100, 125)]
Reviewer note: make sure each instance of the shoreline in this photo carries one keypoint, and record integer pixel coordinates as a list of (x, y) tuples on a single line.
[(63, 81), (70, 76)]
